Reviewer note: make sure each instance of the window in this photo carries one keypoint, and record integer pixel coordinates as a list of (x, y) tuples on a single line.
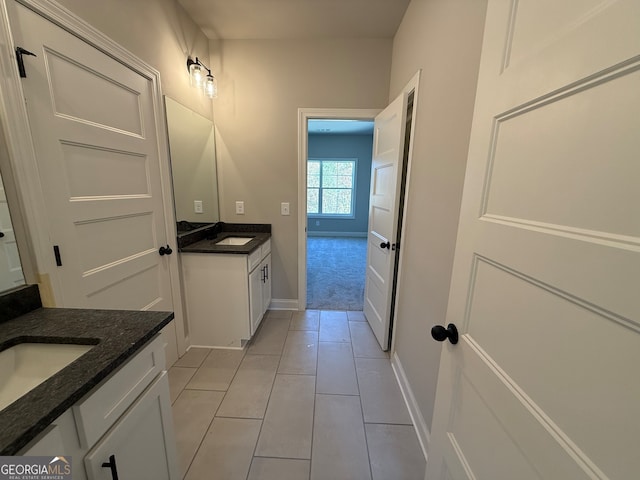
[(330, 187)]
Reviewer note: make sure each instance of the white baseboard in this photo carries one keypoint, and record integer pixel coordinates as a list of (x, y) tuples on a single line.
[(416, 416), (216, 347), (336, 234), (284, 304)]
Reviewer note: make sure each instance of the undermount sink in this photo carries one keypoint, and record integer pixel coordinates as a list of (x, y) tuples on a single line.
[(234, 241), (26, 365)]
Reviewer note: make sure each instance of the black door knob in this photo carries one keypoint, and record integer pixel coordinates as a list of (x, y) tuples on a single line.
[(386, 245), (1, 234), (439, 333), (165, 250)]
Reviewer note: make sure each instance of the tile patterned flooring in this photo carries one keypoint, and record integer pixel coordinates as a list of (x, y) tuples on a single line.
[(312, 397)]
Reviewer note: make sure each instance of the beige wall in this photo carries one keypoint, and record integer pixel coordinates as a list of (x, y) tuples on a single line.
[(160, 33), (262, 83), (443, 38)]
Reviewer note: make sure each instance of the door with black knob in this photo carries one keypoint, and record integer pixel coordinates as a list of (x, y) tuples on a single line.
[(386, 181), (543, 383), (96, 134)]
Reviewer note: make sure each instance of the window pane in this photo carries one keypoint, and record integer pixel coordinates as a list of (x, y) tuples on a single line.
[(313, 181), (336, 201), (345, 168), (329, 201), (344, 202), (313, 168), (329, 181), (312, 200), (344, 181), (329, 168)]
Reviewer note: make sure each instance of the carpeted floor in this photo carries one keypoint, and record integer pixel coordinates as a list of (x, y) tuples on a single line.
[(335, 273)]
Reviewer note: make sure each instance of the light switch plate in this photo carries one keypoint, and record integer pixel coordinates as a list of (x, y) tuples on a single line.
[(197, 206), (240, 208), (284, 208)]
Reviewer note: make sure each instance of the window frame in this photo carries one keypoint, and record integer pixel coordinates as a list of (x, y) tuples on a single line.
[(352, 215)]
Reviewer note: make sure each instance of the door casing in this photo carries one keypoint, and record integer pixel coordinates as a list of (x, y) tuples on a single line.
[(305, 114)]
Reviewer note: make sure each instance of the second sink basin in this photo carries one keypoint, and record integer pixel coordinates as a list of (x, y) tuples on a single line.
[(234, 241), (26, 365)]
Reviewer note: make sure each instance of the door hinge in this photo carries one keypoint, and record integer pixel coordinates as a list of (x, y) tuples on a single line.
[(56, 252), (19, 53)]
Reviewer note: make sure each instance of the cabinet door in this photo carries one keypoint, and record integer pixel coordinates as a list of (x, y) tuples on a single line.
[(266, 285), (141, 441), (60, 438), (255, 297)]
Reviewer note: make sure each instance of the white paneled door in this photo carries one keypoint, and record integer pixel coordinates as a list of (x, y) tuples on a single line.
[(386, 167), (543, 383), (93, 126)]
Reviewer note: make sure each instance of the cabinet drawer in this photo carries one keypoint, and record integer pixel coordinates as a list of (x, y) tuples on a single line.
[(265, 249), (96, 412), (254, 259)]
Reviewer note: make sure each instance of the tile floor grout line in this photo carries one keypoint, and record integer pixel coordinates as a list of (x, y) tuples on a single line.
[(339, 394), (315, 392), (208, 426), (215, 415), (281, 458), (394, 424), (239, 418), (266, 408), (315, 396), (364, 428), (203, 390)]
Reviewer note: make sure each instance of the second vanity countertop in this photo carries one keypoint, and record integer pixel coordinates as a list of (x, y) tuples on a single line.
[(117, 336), (204, 240)]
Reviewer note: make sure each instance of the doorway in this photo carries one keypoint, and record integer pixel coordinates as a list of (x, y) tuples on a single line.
[(391, 154), (304, 117), (338, 180)]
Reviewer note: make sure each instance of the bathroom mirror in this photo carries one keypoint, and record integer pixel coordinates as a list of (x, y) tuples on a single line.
[(193, 164), (11, 275)]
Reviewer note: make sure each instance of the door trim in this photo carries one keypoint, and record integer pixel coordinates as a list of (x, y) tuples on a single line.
[(23, 160), (411, 86), (305, 114)]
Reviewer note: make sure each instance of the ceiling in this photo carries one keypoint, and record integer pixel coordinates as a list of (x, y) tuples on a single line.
[(340, 127), (296, 19)]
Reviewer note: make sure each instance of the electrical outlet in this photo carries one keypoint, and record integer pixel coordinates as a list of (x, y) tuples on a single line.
[(239, 208), (284, 208), (197, 206)]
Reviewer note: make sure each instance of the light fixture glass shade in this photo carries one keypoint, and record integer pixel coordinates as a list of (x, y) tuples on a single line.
[(211, 86), (196, 74)]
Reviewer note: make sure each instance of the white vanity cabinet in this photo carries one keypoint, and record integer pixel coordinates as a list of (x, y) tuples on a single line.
[(259, 292), (125, 421), (226, 295)]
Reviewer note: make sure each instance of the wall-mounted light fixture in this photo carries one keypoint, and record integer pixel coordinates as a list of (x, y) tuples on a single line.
[(200, 79)]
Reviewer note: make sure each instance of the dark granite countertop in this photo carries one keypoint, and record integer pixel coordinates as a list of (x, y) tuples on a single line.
[(210, 245), (204, 239), (116, 334)]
